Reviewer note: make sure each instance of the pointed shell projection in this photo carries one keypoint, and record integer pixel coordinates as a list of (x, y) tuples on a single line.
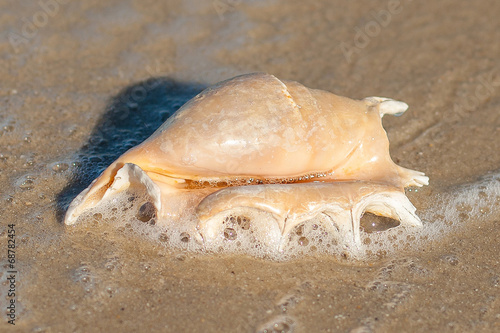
[(256, 143)]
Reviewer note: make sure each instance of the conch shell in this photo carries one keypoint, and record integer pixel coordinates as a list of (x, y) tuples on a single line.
[(255, 142)]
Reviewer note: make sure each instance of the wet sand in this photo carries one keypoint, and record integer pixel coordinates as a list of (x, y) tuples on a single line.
[(83, 82)]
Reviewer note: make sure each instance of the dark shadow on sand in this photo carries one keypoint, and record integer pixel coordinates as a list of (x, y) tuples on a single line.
[(130, 118)]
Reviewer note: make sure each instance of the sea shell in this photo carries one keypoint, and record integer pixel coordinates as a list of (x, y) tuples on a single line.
[(255, 142)]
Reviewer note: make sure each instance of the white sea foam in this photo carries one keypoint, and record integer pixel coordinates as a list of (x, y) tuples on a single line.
[(257, 234)]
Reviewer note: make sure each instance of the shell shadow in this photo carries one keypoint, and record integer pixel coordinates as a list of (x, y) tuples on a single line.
[(129, 118)]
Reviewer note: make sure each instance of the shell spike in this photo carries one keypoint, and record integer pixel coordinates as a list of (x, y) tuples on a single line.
[(116, 179), (386, 105), (92, 195)]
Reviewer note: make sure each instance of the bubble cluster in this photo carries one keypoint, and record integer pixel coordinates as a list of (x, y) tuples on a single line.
[(26, 183), (84, 276)]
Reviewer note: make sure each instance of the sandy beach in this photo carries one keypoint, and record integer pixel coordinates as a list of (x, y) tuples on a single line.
[(82, 82)]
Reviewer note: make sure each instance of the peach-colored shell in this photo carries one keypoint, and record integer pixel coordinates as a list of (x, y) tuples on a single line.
[(256, 129), (256, 126)]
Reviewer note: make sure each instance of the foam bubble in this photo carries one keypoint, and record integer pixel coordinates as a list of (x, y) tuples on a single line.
[(59, 167), (146, 212)]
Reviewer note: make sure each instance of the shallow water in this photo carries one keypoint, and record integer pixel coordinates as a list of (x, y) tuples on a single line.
[(94, 79)]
